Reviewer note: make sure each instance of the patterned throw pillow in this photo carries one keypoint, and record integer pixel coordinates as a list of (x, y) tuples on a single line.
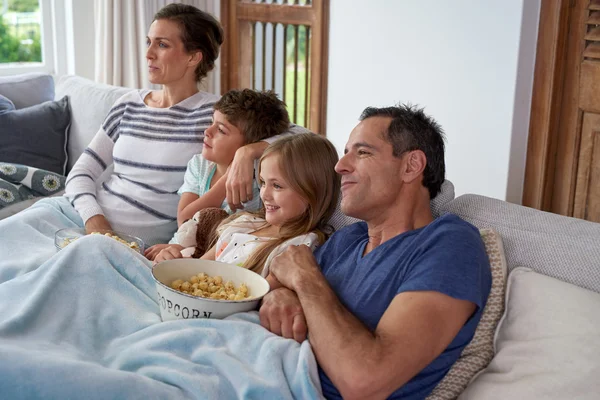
[(480, 351), (21, 182)]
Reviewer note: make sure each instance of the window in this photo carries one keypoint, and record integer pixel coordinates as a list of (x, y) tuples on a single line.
[(26, 36), (20, 30)]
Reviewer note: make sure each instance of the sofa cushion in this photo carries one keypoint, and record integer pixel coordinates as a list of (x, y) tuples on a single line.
[(480, 351), (547, 343), (27, 90), (6, 104), (20, 182), (90, 103), (36, 136), (554, 245)]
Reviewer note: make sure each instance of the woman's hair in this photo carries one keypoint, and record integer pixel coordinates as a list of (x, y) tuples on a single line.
[(307, 162), (257, 114), (200, 31)]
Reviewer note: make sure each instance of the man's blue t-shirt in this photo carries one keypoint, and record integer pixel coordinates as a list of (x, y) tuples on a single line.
[(446, 256)]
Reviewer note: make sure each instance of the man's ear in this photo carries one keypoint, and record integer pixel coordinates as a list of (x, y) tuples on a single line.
[(416, 161), (195, 58)]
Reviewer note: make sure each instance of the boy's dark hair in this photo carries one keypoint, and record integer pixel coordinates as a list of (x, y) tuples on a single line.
[(412, 129), (258, 115), (200, 31)]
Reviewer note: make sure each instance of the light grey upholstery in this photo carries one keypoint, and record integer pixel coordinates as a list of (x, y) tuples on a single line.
[(90, 104), (562, 247)]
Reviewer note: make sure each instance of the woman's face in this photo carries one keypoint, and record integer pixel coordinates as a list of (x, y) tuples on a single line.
[(168, 61)]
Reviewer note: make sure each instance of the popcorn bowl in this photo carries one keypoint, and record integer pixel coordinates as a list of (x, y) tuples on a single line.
[(178, 305), (64, 237)]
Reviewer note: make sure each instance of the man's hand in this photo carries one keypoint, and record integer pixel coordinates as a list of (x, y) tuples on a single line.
[(97, 223), (169, 253), (152, 251), (294, 265), (282, 314)]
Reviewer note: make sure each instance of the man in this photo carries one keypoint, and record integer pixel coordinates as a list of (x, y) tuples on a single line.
[(390, 302)]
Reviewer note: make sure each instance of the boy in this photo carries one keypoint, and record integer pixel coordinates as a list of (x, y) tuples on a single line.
[(240, 117)]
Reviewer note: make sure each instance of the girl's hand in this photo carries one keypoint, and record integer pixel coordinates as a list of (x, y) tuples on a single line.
[(152, 251), (170, 253), (97, 223), (295, 265)]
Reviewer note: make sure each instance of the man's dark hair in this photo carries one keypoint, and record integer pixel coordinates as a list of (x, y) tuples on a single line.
[(257, 114), (412, 129), (200, 31)]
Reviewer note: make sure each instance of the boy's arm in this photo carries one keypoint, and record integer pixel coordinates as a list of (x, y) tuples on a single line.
[(241, 171), (191, 203), (241, 174)]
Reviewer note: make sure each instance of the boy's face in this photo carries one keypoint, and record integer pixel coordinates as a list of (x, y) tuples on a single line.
[(221, 140)]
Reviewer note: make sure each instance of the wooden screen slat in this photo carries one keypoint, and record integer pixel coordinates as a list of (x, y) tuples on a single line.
[(273, 58), (593, 34), (285, 29), (594, 18), (306, 74), (592, 50), (296, 48), (264, 56), (319, 57), (289, 14), (594, 5)]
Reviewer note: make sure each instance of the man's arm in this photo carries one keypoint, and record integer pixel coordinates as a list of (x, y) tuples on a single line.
[(414, 330)]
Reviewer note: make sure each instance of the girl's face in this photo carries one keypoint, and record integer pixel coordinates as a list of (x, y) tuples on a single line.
[(281, 202), (168, 61), (221, 140)]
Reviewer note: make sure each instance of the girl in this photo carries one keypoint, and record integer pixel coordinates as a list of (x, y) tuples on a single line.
[(240, 117), (299, 189)]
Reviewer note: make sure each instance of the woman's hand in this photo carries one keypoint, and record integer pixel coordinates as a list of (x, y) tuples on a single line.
[(97, 223), (169, 253), (152, 251), (240, 174)]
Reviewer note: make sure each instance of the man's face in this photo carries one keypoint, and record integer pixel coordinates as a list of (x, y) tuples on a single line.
[(371, 175)]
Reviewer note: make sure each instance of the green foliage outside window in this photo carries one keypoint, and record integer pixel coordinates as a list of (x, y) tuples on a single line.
[(23, 5), (14, 49)]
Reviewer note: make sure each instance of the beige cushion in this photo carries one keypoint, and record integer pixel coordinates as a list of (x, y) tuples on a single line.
[(547, 343), (479, 352)]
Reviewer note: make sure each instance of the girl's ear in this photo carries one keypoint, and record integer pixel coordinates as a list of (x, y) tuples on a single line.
[(416, 161)]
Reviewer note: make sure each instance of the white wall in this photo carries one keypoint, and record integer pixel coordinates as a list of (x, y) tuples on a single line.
[(465, 61)]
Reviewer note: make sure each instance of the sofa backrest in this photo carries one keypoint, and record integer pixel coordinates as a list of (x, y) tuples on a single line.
[(558, 246), (339, 220), (90, 103)]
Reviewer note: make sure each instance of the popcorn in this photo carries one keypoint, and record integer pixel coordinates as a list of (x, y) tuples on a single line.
[(131, 245), (202, 285)]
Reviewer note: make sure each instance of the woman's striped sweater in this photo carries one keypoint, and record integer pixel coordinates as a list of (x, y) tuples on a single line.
[(149, 149)]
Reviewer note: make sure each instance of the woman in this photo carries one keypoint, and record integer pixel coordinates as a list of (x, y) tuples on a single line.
[(149, 136)]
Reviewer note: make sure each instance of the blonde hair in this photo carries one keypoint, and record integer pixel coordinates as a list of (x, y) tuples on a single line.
[(307, 162)]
